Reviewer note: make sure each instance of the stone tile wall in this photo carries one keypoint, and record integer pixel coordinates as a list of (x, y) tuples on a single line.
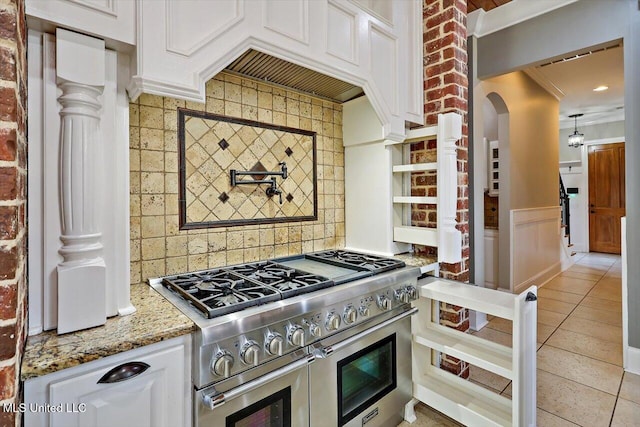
[(13, 179), (159, 248)]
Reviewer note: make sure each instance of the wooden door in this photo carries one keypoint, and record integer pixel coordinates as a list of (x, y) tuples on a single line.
[(606, 196)]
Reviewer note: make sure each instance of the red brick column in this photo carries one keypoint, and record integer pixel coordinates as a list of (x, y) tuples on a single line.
[(445, 90), (13, 179)]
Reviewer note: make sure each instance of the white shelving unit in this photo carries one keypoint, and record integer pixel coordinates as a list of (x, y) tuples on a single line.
[(461, 399), (445, 236)]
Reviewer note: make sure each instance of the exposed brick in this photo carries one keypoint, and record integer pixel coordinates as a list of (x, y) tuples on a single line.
[(7, 418), (8, 263), (8, 182), (7, 24), (7, 342), (8, 144), (7, 382), (8, 106), (8, 302), (7, 64)]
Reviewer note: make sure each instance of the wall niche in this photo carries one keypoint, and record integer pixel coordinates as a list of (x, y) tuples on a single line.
[(275, 172)]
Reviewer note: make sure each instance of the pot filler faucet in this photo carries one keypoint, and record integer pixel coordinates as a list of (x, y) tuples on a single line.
[(272, 190)]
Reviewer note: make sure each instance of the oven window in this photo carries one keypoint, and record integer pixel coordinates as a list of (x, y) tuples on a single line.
[(365, 377), (272, 411)]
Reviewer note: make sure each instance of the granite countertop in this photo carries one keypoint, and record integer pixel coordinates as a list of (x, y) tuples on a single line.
[(425, 262), (154, 320)]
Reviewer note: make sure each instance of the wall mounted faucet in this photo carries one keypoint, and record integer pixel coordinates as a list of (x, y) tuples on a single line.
[(272, 190)]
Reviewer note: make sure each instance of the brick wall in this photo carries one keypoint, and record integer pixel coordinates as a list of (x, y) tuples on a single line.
[(446, 90), (13, 178)]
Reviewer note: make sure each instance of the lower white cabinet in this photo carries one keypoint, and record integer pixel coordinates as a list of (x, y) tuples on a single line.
[(149, 386)]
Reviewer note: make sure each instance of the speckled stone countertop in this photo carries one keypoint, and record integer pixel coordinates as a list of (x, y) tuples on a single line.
[(155, 320), (427, 263)]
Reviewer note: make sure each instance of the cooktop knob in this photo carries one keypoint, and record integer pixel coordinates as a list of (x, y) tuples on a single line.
[(411, 292), (333, 322), (315, 330), (222, 363), (296, 335), (384, 302), (399, 295), (274, 344), (364, 311), (249, 353), (350, 315)]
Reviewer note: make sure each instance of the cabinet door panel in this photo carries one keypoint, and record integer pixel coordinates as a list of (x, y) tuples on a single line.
[(139, 400)]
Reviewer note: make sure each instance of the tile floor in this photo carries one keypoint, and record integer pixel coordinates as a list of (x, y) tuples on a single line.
[(580, 377)]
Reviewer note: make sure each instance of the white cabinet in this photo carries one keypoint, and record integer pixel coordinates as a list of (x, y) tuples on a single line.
[(149, 386), (107, 19)]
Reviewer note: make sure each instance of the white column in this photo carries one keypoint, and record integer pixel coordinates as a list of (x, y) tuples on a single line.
[(449, 239), (80, 65)]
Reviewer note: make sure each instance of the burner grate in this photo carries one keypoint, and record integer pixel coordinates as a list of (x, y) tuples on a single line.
[(219, 292), (374, 263)]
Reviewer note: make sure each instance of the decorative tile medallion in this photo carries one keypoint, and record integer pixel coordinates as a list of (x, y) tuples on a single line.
[(210, 146)]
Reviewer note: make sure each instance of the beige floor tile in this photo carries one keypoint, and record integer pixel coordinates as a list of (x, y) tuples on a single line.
[(502, 325), (606, 351), (581, 275), (560, 296), (613, 273), (570, 284), (555, 305), (582, 369), (488, 379), (626, 414), (605, 316), (572, 401), (630, 389), (599, 330), (590, 270), (495, 336), (544, 332), (507, 392), (550, 318), (429, 417), (602, 304), (614, 282), (543, 418), (606, 292)]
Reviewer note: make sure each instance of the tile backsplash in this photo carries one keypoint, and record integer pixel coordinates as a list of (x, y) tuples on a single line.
[(159, 247)]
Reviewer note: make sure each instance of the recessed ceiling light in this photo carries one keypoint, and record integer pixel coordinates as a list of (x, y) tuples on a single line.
[(601, 88)]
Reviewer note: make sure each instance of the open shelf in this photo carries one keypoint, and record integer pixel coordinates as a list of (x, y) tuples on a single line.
[(463, 400), (416, 167), (417, 235), (477, 351), (484, 300), (416, 199)]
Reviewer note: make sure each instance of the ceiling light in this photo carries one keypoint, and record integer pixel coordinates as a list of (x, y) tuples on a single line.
[(601, 88), (576, 139)]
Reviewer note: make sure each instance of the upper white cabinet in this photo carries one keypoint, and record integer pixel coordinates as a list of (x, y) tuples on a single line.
[(107, 19), (183, 44)]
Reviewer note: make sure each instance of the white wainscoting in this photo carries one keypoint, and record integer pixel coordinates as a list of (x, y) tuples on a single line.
[(535, 253)]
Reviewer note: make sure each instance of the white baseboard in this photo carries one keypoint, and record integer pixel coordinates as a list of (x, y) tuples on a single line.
[(540, 278), (632, 361)]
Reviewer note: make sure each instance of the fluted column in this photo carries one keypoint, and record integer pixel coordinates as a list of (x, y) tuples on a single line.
[(82, 271)]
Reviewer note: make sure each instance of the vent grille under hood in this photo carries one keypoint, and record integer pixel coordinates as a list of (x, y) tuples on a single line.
[(270, 69)]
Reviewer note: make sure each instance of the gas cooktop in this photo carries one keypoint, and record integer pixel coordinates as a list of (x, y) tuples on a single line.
[(221, 291)]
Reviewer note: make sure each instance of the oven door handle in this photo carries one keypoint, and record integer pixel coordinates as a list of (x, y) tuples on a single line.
[(216, 399), (325, 352)]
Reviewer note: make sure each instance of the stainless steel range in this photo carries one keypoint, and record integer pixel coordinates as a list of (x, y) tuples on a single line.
[(317, 339)]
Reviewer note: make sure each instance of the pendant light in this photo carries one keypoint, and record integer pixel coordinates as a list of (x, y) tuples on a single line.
[(576, 139)]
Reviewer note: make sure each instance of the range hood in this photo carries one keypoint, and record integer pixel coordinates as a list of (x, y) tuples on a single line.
[(267, 68)]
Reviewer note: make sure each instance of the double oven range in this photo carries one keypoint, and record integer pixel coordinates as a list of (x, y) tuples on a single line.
[(321, 339)]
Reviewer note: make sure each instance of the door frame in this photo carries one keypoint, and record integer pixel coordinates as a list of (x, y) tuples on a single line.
[(584, 156)]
